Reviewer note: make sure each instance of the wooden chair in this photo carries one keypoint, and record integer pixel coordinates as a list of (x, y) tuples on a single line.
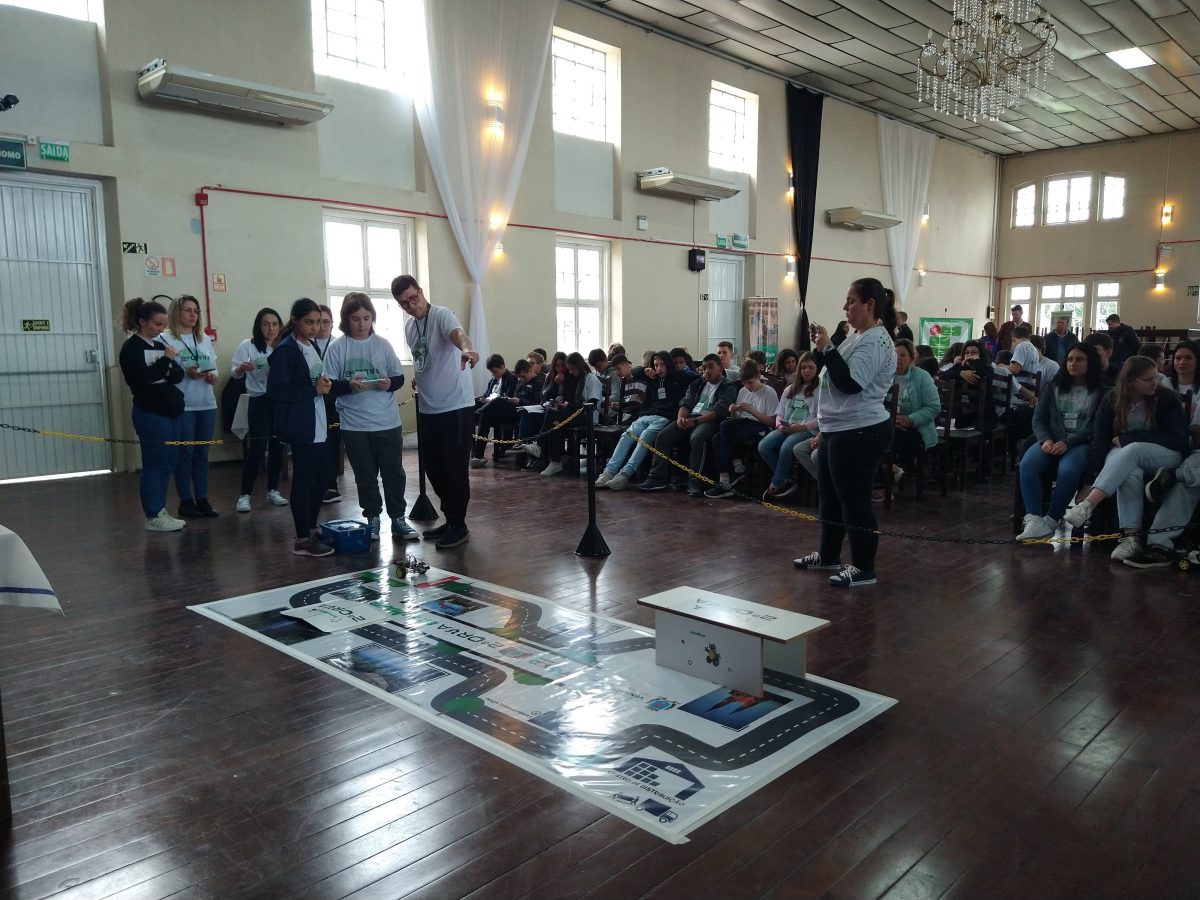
[(952, 439)]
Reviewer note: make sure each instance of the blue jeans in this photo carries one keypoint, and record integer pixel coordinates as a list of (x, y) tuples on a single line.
[(776, 450), (158, 460), (645, 427), (191, 472), (1035, 463)]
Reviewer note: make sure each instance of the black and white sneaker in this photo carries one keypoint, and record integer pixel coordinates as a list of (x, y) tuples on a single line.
[(1151, 558), (852, 576), (814, 561), (333, 495), (311, 546), (452, 537), (1156, 488)]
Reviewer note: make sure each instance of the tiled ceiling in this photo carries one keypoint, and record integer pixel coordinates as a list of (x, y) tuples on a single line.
[(866, 51)]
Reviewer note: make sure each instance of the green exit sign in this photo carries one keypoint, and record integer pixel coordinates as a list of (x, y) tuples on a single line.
[(59, 151), (35, 325)]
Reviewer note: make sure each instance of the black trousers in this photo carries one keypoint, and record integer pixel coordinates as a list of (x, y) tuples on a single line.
[(445, 441), (258, 441), (846, 469), (491, 415), (310, 478)]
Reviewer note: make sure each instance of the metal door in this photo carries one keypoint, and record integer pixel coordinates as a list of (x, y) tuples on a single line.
[(53, 283), (725, 289)]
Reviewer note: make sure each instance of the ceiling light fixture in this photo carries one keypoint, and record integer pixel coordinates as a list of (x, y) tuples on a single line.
[(1130, 58), (983, 67)]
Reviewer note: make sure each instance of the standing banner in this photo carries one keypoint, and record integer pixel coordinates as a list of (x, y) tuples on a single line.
[(763, 325), (941, 333)]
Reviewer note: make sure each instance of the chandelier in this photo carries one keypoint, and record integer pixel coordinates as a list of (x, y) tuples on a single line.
[(996, 51)]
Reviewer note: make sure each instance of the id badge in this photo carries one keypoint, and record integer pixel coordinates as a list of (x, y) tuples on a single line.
[(1070, 420), (698, 408), (662, 393)]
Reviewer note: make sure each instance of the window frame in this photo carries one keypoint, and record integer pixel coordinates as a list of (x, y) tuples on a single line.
[(749, 165), (1097, 300), (604, 304), (407, 228), (1101, 193), (390, 75), (1085, 301), (1013, 223), (1069, 177), (612, 86)]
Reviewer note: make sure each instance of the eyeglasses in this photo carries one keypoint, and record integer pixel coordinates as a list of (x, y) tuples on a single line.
[(1147, 379), (407, 301)]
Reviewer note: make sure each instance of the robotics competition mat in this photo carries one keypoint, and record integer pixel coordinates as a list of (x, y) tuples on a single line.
[(577, 699)]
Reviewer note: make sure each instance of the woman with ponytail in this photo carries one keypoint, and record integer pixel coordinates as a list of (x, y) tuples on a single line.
[(152, 373)]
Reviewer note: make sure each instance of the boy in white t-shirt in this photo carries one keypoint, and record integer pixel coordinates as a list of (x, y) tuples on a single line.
[(752, 416)]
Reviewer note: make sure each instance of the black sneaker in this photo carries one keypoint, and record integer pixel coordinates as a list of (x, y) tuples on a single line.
[(1152, 557), (1156, 488), (189, 510), (435, 532), (333, 495), (694, 488), (718, 491), (453, 536), (206, 509), (850, 576), (402, 531), (310, 546), (814, 561), (652, 484)]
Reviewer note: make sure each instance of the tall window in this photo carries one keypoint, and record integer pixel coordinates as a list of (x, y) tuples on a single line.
[(356, 40), (732, 129), (1112, 197), (1108, 301), (1025, 206), (1068, 199), (581, 291), (365, 253), (585, 87)]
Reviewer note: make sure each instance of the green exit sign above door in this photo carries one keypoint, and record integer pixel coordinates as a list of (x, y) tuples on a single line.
[(59, 151)]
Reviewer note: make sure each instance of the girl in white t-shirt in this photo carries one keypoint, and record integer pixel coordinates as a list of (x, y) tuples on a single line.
[(198, 360), (250, 364), (795, 426)]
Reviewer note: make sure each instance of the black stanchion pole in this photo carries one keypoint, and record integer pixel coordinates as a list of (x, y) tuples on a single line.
[(592, 544), (422, 510)]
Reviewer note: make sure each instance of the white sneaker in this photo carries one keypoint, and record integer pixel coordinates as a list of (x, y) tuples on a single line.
[(276, 499), (604, 478), (159, 523), (1078, 514), (553, 469), (739, 467), (478, 462), (618, 482), (243, 504), (1037, 527), (1128, 547), (534, 450), (166, 516)]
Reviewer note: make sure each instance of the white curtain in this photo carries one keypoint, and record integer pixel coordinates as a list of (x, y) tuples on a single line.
[(905, 161), (476, 92)]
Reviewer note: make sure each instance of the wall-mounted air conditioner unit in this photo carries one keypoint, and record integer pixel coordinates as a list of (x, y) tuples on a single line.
[(860, 219), (664, 181), (175, 84)]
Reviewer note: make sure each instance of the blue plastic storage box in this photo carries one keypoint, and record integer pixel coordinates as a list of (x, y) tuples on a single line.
[(347, 535)]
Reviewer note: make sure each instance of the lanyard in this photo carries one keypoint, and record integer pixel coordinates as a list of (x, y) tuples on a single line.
[(194, 350), (316, 345)]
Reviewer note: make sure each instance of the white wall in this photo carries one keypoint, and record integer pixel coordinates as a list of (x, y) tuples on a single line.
[(271, 249)]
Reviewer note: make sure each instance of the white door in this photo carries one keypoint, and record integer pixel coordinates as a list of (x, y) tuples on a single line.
[(725, 289), (52, 288)]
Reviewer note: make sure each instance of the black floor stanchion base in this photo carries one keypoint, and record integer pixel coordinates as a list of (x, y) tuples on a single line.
[(592, 544), (422, 510)]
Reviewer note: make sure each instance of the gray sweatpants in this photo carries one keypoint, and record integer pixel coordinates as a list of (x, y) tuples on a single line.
[(375, 454)]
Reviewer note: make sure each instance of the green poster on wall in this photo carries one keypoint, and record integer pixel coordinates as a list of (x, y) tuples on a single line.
[(941, 333)]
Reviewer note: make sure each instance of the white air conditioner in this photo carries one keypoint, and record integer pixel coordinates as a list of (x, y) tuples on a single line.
[(175, 84), (860, 219), (664, 181)]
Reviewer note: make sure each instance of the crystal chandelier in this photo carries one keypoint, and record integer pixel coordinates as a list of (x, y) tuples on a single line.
[(996, 51)]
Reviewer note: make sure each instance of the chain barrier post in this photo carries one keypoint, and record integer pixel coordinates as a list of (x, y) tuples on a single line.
[(592, 544), (422, 509)]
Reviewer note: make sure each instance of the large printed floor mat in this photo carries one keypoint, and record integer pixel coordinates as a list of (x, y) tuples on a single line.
[(574, 698)]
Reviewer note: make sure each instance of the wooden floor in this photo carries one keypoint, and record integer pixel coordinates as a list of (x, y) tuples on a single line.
[(1046, 742)]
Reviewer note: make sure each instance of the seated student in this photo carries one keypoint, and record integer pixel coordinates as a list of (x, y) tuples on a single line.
[(598, 360), (950, 357), (917, 406), (1026, 365), (700, 414), (760, 359), (529, 422), (926, 360), (682, 360), (628, 391), (1049, 367), (725, 352), (976, 404), (1182, 379), (780, 373), (615, 350), (1062, 429), (1139, 428), (795, 426), (1157, 353), (1103, 343), (503, 383), (750, 417), (1177, 489), (504, 410), (664, 390), (537, 361), (580, 386)]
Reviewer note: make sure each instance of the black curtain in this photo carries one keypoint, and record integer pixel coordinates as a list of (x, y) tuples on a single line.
[(804, 143)]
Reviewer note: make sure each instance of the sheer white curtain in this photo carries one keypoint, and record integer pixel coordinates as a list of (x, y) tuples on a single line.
[(476, 92), (905, 161)]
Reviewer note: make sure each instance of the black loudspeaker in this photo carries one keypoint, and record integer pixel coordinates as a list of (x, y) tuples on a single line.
[(696, 260)]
